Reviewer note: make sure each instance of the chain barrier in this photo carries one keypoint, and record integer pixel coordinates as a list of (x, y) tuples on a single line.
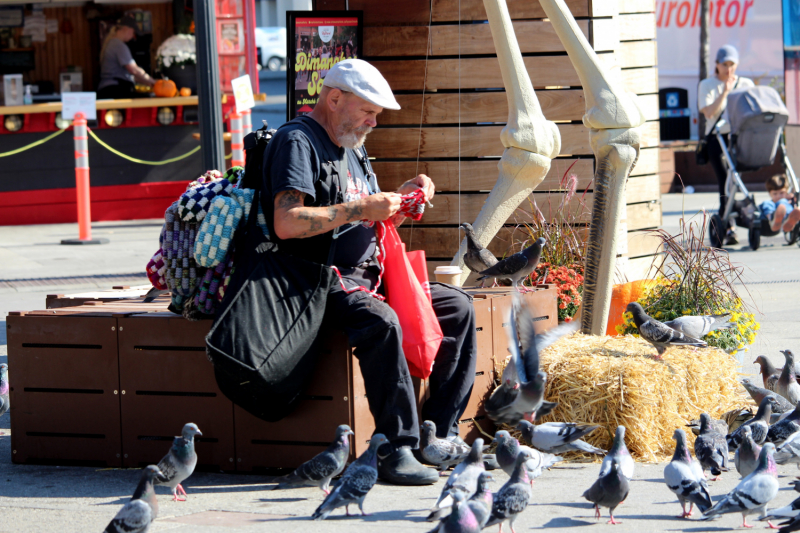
[(142, 161), (33, 144)]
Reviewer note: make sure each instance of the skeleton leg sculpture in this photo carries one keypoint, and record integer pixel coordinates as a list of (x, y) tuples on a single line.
[(613, 118), (530, 141)]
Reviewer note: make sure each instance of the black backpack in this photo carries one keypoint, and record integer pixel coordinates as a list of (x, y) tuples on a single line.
[(264, 340)]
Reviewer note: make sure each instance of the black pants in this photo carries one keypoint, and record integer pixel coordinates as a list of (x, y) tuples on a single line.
[(715, 157), (375, 335)]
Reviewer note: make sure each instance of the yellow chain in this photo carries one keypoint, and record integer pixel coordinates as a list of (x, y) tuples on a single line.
[(33, 144), (142, 161)]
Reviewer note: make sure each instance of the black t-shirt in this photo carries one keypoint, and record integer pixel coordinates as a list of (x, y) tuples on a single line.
[(295, 164)]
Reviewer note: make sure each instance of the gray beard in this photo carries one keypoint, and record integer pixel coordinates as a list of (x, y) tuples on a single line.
[(352, 138)]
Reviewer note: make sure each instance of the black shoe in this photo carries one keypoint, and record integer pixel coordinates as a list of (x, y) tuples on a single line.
[(794, 234), (401, 468), (730, 238)]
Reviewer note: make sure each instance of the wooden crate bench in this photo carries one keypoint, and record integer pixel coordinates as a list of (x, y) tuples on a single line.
[(111, 382)]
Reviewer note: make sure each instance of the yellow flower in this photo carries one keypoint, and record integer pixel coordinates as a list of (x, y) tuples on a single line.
[(636, 335), (658, 314), (757, 326), (687, 312)]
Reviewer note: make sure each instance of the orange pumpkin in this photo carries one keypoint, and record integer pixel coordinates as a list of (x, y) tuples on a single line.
[(185, 91), (165, 88), (621, 296)]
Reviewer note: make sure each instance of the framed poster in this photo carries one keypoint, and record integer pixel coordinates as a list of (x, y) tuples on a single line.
[(315, 41), (230, 36)]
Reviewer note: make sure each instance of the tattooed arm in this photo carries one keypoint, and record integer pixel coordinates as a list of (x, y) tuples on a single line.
[(293, 220)]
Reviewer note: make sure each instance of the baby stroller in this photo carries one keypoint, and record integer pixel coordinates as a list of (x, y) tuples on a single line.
[(757, 117)]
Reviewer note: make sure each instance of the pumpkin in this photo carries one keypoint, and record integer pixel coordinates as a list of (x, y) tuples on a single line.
[(185, 91), (165, 88), (621, 296)]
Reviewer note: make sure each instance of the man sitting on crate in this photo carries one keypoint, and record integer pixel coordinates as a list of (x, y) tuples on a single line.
[(299, 172)]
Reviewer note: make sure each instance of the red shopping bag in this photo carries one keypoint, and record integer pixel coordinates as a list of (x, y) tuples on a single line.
[(422, 334), (420, 267)]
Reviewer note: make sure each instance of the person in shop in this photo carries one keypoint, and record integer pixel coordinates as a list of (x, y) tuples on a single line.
[(712, 99), (298, 178), (118, 70)]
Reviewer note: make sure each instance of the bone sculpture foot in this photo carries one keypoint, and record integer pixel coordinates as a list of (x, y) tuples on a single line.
[(613, 117), (530, 141)]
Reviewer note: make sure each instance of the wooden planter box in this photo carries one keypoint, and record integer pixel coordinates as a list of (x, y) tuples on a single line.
[(111, 382)]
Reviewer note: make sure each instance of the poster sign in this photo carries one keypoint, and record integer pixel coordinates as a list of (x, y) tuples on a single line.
[(315, 41), (72, 103), (243, 93)]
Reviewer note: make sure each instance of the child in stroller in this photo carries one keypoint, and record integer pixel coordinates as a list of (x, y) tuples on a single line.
[(780, 211), (757, 118)]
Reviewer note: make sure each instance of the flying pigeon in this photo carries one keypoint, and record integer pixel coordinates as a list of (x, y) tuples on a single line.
[(179, 463), (356, 482), (461, 518), (711, 448), (508, 449), (698, 327), (464, 478), (142, 509), (720, 426), (753, 493), (320, 469), (477, 257), (518, 266), (619, 453), (759, 425), (783, 429), (780, 405), (558, 437), (746, 457), (609, 490), (769, 373), (5, 403), (787, 385), (684, 476), (506, 408), (658, 334), (442, 453), (513, 497)]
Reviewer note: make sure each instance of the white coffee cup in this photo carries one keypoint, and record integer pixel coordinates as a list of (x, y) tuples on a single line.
[(448, 274)]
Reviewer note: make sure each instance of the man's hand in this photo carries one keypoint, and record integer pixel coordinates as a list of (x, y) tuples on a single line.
[(420, 182), (381, 206)]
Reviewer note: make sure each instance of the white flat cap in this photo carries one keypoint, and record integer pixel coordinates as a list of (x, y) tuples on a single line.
[(362, 79)]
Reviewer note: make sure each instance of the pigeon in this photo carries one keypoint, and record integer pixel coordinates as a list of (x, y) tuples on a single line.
[(506, 406), (464, 478), (558, 437), (759, 425), (508, 449), (684, 476), (481, 501), (461, 518), (619, 453), (783, 429), (477, 257), (442, 453), (179, 463), (5, 403), (698, 327), (711, 448), (753, 493), (720, 426), (790, 511), (356, 482), (787, 385), (780, 405), (746, 456), (609, 490), (142, 509), (790, 525), (518, 266), (320, 469), (769, 373), (789, 451), (658, 334), (513, 497)]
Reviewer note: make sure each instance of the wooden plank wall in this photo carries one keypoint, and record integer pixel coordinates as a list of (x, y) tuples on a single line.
[(460, 84), (81, 47)]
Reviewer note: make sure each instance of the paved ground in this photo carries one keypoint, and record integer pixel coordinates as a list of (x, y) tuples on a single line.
[(47, 498)]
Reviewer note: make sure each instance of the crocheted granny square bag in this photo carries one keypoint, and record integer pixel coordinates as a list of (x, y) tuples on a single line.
[(216, 232), (195, 203)]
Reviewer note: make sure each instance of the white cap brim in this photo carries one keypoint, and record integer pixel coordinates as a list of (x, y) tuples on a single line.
[(362, 79)]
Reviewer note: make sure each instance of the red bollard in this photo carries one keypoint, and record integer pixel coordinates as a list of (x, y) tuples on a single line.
[(82, 184), (237, 140)]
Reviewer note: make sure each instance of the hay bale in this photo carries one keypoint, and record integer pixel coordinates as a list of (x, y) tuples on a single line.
[(613, 381)]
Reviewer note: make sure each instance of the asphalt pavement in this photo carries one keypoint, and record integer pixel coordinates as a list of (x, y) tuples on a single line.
[(50, 498)]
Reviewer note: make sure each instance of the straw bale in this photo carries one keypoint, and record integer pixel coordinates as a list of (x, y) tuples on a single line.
[(613, 381)]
